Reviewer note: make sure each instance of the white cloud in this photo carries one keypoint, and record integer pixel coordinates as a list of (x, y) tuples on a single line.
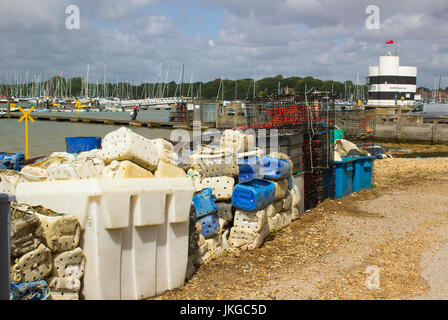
[(321, 38)]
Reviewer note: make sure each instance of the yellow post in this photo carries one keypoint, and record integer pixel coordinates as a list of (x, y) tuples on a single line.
[(77, 104), (26, 116)]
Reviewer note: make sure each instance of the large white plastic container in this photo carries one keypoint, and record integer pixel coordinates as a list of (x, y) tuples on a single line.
[(135, 231)]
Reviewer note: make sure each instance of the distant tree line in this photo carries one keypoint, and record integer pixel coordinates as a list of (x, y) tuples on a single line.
[(216, 89)]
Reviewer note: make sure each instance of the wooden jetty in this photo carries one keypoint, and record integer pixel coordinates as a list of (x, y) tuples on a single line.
[(94, 120)]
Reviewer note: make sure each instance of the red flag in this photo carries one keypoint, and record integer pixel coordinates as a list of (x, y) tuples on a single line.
[(390, 42)]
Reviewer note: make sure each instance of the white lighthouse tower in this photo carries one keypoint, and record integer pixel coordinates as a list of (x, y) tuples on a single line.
[(391, 84)]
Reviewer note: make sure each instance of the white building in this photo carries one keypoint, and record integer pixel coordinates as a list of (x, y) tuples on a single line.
[(391, 84)]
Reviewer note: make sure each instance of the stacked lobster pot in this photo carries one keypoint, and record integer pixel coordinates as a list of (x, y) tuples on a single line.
[(265, 200), (213, 170), (45, 251), (278, 168), (205, 244), (232, 216), (124, 154), (46, 261)]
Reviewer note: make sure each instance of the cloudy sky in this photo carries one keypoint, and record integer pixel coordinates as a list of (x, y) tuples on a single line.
[(325, 39)]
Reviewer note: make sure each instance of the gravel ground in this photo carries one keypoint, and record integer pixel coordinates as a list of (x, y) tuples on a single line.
[(399, 229)]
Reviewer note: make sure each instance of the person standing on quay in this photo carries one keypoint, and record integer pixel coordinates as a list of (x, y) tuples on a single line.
[(134, 113)]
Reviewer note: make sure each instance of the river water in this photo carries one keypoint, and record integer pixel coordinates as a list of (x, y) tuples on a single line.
[(46, 137)]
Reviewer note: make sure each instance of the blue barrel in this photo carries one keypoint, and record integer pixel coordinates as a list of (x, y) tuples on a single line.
[(343, 177), (276, 168), (362, 173), (204, 202), (12, 161), (254, 195), (81, 144)]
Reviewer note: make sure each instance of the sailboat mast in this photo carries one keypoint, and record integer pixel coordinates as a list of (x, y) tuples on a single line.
[(87, 82), (104, 83), (182, 81), (255, 75)]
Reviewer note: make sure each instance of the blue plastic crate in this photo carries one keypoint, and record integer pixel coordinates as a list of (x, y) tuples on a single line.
[(362, 173), (81, 144), (254, 195), (276, 168), (204, 202), (343, 177), (249, 169), (210, 225)]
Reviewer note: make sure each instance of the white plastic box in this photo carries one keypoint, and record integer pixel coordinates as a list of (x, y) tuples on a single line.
[(135, 231)]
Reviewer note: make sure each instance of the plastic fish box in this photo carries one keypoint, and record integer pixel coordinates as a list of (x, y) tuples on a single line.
[(343, 177), (254, 195), (80, 144), (276, 168), (124, 144), (222, 186), (362, 172), (237, 141), (135, 231)]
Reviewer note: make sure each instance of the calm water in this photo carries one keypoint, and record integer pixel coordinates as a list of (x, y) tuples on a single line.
[(46, 137), (148, 115)]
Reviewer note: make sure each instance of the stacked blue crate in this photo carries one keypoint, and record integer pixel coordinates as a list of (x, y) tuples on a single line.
[(206, 212), (254, 195), (276, 169), (250, 168)]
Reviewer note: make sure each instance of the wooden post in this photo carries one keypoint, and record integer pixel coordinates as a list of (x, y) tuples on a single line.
[(435, 124), (398, 127), (235, 117), (218, 116)]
